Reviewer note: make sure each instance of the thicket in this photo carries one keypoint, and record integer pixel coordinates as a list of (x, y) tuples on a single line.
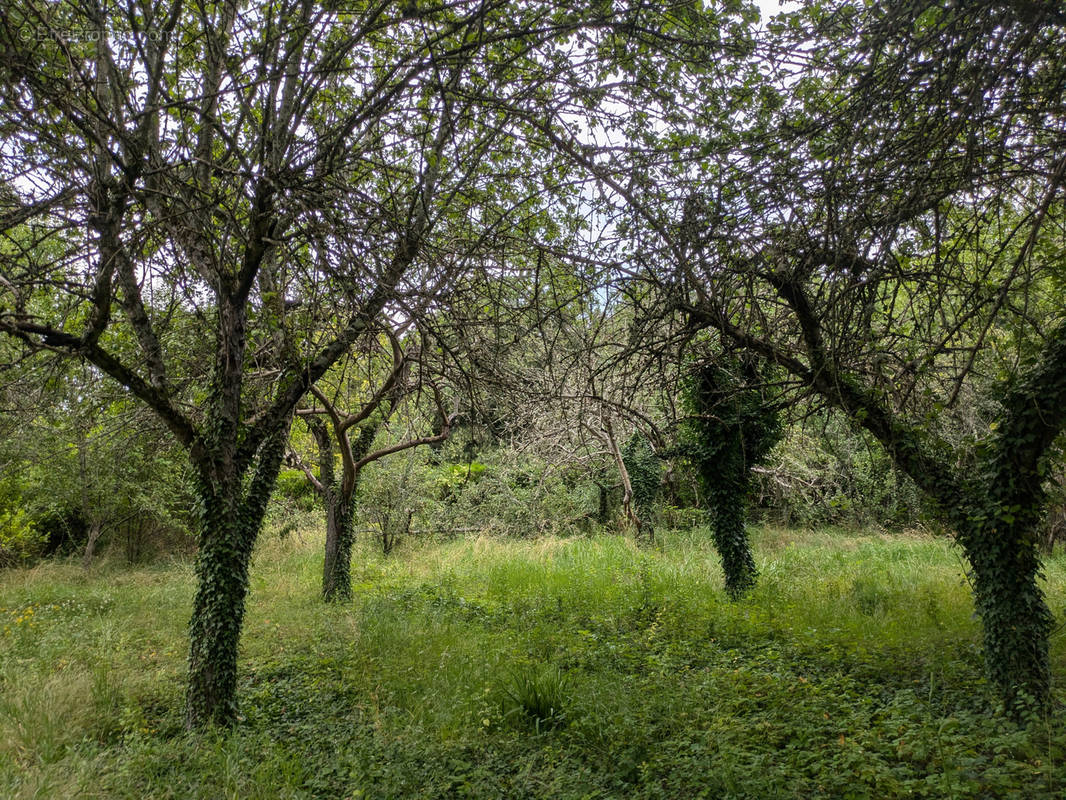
[(824, 471), (809, 479), (86, 472)]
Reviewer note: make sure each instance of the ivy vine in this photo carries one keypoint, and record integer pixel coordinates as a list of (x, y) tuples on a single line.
[(645, 477), (732, 425)]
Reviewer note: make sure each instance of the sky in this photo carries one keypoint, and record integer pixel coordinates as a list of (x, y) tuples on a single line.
[(771, 7)]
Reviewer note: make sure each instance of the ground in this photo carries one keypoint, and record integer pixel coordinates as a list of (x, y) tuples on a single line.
[(583, 667)]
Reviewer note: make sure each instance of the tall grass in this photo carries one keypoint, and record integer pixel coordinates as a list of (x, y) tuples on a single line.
[(552, 667)]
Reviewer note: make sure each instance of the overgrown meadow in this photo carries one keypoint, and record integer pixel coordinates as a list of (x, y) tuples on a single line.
[(583, 667)]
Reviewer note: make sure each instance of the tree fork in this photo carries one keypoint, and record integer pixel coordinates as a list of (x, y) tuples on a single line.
[(994, 515)]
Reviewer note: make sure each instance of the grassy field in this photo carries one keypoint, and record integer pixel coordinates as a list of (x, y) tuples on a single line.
[(561, 668)]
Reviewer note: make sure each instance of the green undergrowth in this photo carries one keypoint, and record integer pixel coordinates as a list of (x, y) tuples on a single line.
[(583, 668)]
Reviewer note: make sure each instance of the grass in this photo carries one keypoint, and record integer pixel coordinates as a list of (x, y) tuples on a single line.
[(480, 667)]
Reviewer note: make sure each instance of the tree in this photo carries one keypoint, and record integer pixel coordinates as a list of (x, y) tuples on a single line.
[(883, 226), (332, 426), (282, 172)]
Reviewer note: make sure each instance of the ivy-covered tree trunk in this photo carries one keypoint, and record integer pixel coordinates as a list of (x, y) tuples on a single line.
[(226, 543), (731, 428), (998, 530), (338, 501), (731, 539), (1016, 621), (230, 519), (340, 536), (643, 474)]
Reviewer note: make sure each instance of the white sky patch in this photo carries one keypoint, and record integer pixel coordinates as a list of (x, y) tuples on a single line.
[(771, 8)]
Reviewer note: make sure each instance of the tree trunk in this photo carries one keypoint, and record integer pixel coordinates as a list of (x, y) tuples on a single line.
[(96, 527), (337, 567), (338, 501), (627, 487), (731, 540), (1015, 617), (230, 519), (226, 542), (998, 531), (603, 511), (95, 530)]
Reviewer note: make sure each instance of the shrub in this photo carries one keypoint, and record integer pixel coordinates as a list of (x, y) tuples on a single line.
[(293, 490), (536, 696), (453, 478), (836, 475), (20, 541)]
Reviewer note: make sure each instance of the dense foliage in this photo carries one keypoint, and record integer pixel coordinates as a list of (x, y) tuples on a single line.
[(645, 478)]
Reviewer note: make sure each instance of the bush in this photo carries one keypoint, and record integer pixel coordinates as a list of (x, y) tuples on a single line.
[(294, 491), (453, 478), (20, 541), (519, 495), (682, 518), (502, 492), (836, 476)]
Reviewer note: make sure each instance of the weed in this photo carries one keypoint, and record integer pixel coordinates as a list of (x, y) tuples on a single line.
[(870, 599), (536, 695)]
